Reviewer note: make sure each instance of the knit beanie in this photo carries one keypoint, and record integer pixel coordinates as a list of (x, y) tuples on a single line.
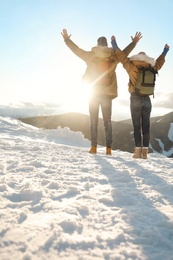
[(102, 41)]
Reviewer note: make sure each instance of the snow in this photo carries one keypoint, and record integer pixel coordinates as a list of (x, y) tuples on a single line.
[(57, 201), (170, 133)]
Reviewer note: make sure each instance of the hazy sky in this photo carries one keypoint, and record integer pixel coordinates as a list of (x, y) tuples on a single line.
[(36, 65)]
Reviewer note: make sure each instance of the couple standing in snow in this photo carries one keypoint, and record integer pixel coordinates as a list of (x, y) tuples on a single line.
[(104, 88)]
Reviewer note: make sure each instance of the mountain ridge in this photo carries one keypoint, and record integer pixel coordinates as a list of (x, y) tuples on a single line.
[(122, 130)]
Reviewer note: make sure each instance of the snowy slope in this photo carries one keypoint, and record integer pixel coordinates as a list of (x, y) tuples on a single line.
[(57, 201)]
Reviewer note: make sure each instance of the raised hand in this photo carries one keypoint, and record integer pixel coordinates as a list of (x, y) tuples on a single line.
[(112, 37), (65, 34), (137, 37), (114, 43), (166, 46)]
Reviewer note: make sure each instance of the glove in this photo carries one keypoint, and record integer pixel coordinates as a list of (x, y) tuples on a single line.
[(165, 50), (114, 43)]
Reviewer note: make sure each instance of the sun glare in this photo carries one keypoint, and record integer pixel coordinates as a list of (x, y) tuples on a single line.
[(76, 98)]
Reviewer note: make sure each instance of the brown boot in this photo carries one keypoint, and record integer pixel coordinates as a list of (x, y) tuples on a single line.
[(93, 149), (137, 153), (144, 152), (108, 151)]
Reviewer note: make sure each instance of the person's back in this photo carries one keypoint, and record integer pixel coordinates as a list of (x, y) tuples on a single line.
[(140, 104), (100, 72), (91, 58)]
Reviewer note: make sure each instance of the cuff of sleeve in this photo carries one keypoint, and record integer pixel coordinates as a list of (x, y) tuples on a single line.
[(165, 51), (114, 45)]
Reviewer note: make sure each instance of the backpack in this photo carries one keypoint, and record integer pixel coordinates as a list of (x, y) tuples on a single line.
[(104, 71), (145, 82)]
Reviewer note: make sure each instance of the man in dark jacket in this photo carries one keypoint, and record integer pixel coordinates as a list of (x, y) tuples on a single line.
[(101, 63)]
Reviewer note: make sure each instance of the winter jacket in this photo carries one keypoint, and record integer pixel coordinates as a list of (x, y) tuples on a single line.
[(131, 65), (90, 57)]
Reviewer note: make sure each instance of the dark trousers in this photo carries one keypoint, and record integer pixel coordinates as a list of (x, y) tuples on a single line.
[(105, 103), (140, 107)]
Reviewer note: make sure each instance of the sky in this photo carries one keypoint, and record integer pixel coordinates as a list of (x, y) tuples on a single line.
[(37, 67), (57, 201)]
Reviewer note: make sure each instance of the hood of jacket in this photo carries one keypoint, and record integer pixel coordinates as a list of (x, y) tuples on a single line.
[(102, 51), (142, 59)]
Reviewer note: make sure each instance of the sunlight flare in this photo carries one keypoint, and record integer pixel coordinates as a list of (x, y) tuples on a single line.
[(76, 98)]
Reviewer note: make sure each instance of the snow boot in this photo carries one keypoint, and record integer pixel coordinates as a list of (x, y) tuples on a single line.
[(93, 149), (137, 153), (108, 151), (144, 152)]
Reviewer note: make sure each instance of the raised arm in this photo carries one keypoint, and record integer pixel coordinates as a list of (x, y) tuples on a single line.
[(161, 59), (121, 55), (73, 47), (131, 46)]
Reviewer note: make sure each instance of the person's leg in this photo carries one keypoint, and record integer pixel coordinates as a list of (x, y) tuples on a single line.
[(94, 111), (136, 113), (136, 108), (106, 106), (146, 111)]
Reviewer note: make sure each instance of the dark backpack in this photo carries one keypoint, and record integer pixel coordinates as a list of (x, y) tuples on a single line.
[(145, 82), (104, 71)]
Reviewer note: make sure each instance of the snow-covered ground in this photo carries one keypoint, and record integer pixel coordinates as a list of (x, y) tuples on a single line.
[(57, 201)]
